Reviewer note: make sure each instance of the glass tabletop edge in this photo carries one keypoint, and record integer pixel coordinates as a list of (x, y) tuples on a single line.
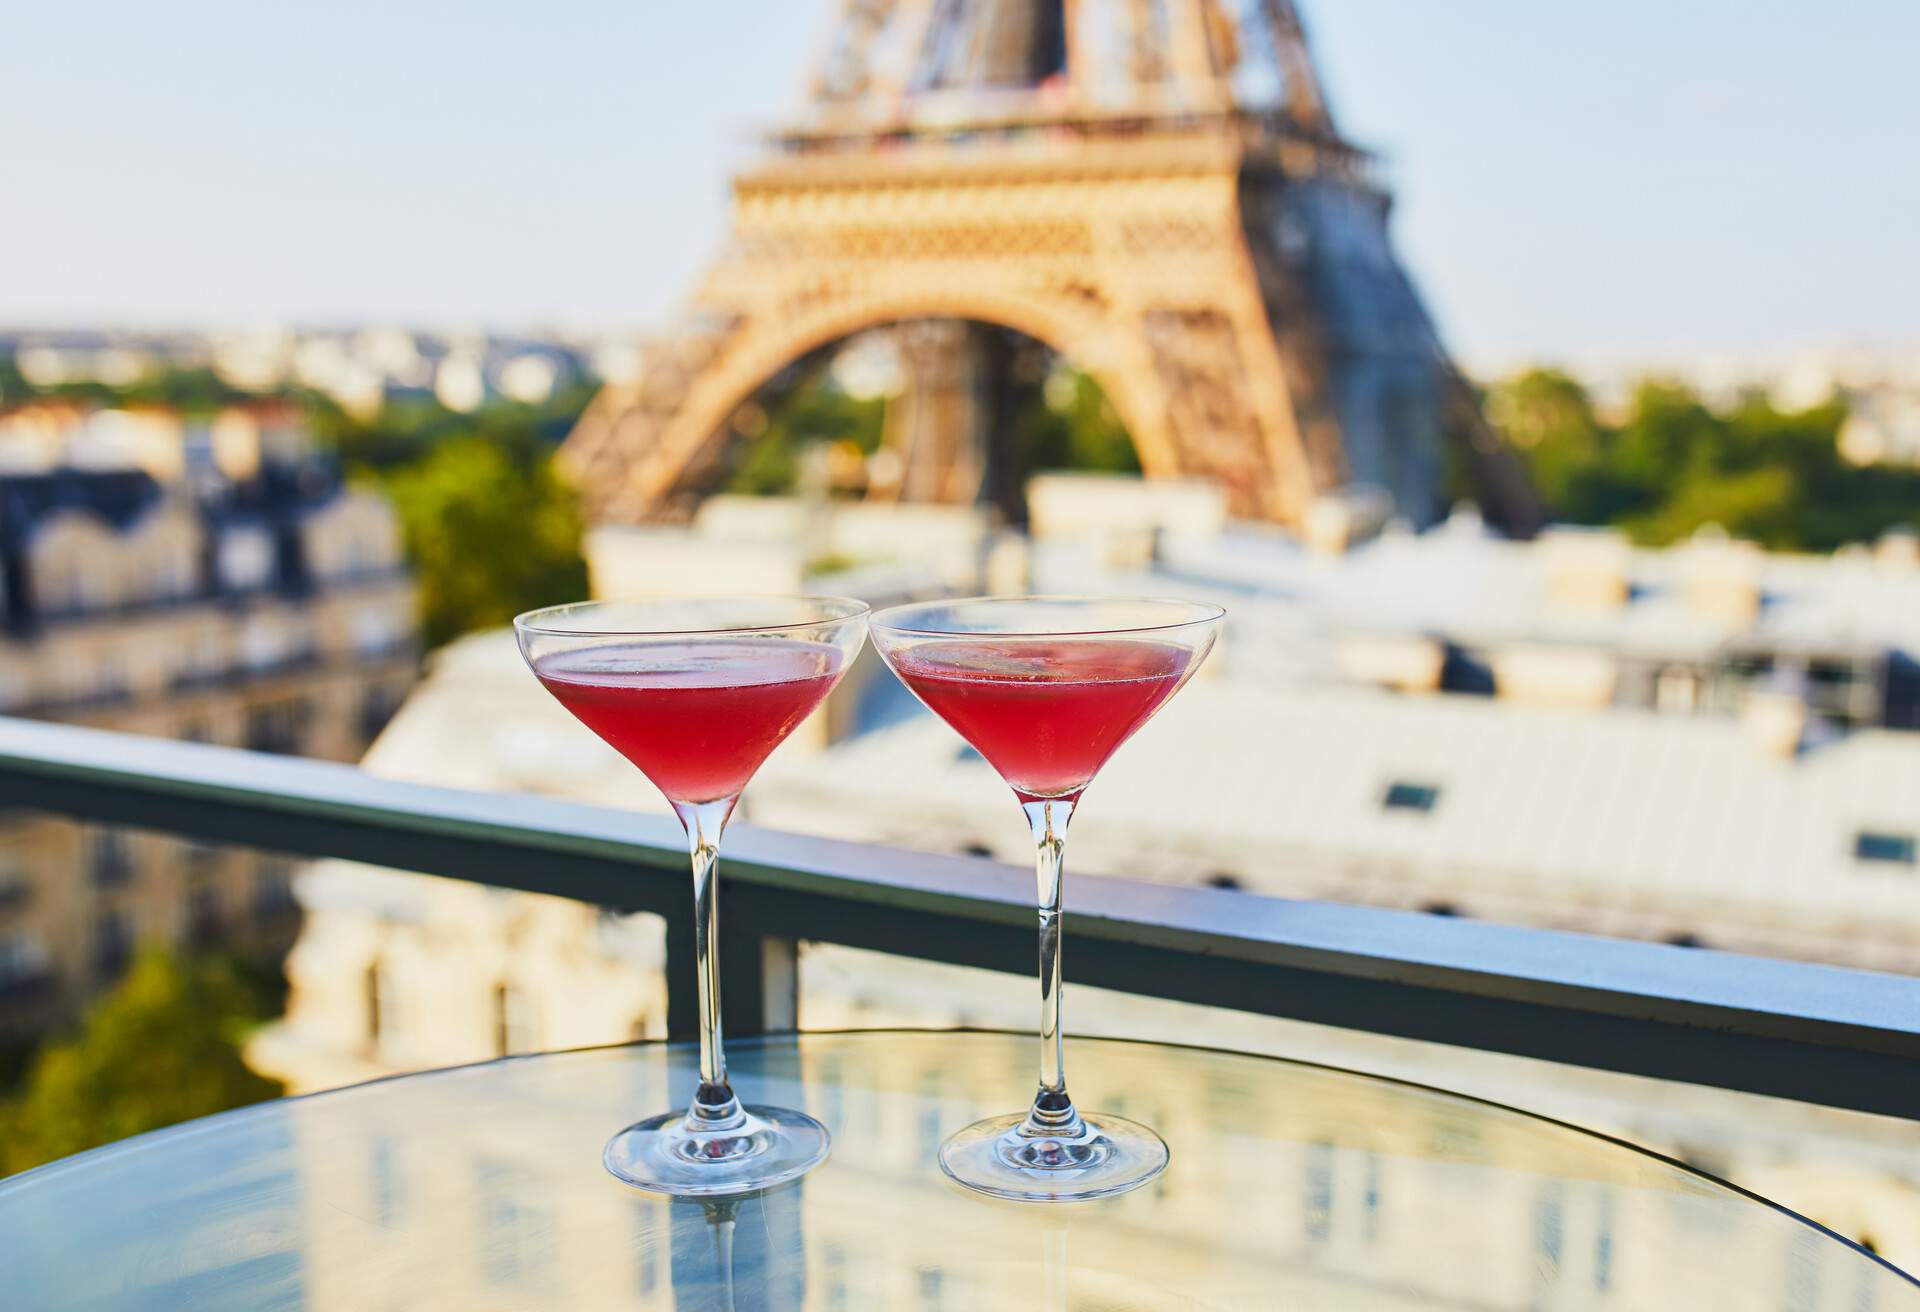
[(217, 1120)]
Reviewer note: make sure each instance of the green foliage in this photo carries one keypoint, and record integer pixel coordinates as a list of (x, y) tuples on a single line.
[(1546, 415), (768, 463), (1070, 424), (162, 1047), (196, 391), (13, 384), (1065, 423), (491, 533), (407, 429), (491, 529), (1671, 466), (190, 391)]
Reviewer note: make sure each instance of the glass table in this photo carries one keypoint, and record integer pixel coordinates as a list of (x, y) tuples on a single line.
[(1291, 1186)]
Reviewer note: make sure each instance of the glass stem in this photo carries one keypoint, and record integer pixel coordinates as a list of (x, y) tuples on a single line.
[(1052, 1114), (720, 1217), (714, 1106)]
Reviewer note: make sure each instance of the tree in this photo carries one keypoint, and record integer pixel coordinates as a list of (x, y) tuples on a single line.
[(162, 1047), (491, 534), (491, 529), (13, 384), (1055, 417), (1070, 424), (407, 429), (195, 391), (819, 410), (1673, 465)]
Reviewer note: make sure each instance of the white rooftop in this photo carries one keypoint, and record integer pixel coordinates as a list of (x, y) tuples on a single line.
[(1619, 821), (1459, 581)]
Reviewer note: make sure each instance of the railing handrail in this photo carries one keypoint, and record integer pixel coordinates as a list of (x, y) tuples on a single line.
[(1816, 1033)]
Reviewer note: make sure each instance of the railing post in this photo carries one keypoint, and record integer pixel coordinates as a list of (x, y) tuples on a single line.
[(759, 983), (683, 1002), (780, 985)]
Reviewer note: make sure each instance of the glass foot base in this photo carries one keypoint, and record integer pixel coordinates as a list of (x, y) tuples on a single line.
[(1109, 1156), (770, 1146)]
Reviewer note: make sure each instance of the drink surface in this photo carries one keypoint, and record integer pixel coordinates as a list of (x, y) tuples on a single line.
[(1045, 713), (697, 717)]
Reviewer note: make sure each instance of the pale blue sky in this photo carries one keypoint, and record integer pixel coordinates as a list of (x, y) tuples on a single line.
[(1630, 177)]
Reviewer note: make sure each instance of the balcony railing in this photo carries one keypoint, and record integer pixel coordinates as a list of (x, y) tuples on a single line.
[(1819, 1034), (300, 662), (80, 703), (227, 677), (228, 596), (365, 576)]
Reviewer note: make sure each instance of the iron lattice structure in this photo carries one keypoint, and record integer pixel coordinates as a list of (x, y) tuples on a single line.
[(1156, 189)]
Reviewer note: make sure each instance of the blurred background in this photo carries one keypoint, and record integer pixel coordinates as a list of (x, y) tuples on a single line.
[(1538, 388)]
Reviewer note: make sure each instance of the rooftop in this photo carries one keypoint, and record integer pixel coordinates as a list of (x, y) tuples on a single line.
[(1621, 821)]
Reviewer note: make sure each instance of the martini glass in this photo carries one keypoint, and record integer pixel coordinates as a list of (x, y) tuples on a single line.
[(696, 693), (1047, 689)]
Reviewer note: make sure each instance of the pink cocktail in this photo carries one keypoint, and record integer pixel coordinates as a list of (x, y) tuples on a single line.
[(697, 718), (1047, 714), (1047, 690), (697, 693)]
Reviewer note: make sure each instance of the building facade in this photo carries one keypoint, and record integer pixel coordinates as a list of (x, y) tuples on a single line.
[(207, 582)]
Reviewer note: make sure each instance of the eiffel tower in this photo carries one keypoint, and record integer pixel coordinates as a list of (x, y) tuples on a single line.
[(1155, 189)]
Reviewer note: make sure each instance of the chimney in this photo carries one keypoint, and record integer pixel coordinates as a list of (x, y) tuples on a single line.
[(1582, 678), (1587, 568), (1774, 721), (1403, 662), (1720, 578), (1898, 549), (236, 440), (1344, 518)]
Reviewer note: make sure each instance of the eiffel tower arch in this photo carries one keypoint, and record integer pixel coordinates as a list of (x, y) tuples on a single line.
[(1153, 188)]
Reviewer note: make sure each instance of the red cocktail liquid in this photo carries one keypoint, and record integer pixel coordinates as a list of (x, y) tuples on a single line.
[(1046, 713), (698, 718)]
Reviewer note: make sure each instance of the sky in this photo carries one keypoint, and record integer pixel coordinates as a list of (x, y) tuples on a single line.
[(1625, 179)]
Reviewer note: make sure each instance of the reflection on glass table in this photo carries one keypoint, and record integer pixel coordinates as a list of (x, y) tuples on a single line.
[(1290, 1186)]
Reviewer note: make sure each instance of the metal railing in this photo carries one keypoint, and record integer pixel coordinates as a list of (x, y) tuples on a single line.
[(1819, 1034), (212, 593)]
